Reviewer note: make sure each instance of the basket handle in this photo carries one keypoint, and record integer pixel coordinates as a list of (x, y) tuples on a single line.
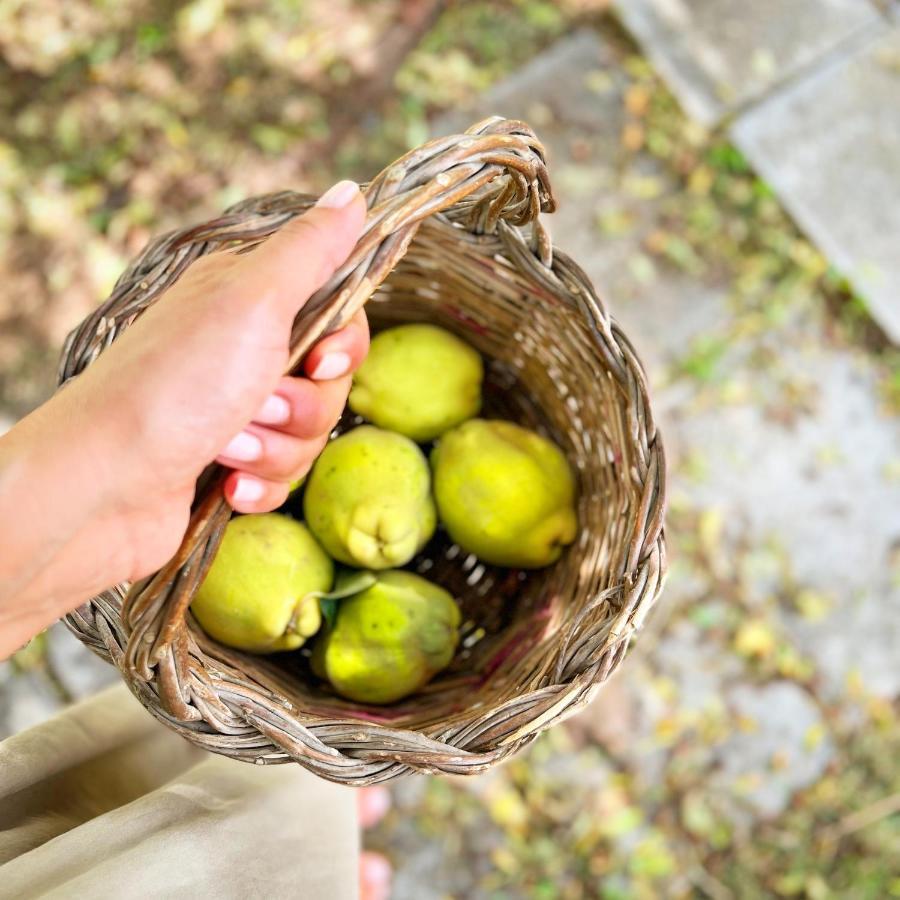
[(495, 171)]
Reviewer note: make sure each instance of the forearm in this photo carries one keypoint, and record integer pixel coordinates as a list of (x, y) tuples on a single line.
[(96, 486), (55, 481)]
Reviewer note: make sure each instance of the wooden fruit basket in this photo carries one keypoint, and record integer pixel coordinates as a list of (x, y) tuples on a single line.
[(453, 237)]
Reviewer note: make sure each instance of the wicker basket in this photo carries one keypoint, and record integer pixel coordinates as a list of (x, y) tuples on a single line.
[(446, 242)]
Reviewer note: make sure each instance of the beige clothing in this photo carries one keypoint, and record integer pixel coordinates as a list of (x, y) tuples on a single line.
[(104, 802)]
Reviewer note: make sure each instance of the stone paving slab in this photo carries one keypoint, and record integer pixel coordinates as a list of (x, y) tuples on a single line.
[(571, 88), (830, 146), (717, 55)]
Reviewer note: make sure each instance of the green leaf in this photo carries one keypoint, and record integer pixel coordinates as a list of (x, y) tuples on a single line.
[(706, 615), (703, 358), (622, 821), (329, 610), (652, 857), (348, 583), (727, 158), (270, 138)]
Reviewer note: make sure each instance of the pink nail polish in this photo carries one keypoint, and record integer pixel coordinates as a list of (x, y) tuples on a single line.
[(247, 490), (339, 195), (332, 365), (244, 447), (274, 411)]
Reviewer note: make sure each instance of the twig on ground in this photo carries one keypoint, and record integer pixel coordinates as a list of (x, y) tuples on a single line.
[(862, 818)]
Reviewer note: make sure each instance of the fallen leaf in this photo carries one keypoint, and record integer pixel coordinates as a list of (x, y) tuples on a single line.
[(814, 736), (632, 136), (710, 528), (754, 639), (780, 760), (637, 99), (812, 605)]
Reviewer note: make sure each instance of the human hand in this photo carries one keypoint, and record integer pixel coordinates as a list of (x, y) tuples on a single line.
[(99, 481)]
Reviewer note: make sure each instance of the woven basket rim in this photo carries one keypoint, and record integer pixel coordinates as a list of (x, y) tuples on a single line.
[(191, 686)]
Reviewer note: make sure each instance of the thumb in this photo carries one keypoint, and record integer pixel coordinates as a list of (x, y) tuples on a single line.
[(301, 256)]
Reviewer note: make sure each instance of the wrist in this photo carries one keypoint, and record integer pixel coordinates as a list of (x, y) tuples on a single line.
[(76, 459), (58, 482)]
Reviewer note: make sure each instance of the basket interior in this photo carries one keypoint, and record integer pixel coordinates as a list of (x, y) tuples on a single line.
[(543, 370)]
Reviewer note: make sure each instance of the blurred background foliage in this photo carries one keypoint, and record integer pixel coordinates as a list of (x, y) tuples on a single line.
[(121, 118)]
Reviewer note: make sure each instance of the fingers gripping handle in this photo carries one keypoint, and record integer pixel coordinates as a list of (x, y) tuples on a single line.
[(497, 164)]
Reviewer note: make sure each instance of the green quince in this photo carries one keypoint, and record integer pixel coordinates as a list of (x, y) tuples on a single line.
[(261, 592), (368, 499), (504, 493), (418, 380), (388, 640)]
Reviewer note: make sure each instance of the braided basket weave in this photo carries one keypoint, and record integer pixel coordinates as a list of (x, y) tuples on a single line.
[(453, 237)]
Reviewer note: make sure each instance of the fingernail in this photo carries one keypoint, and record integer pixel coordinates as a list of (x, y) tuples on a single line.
[(274, 411), (247, 490), (339, 195), (244, 447), (332, 365)]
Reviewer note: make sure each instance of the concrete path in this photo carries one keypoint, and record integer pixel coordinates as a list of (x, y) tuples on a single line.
[(810, 90), (720, 55)]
